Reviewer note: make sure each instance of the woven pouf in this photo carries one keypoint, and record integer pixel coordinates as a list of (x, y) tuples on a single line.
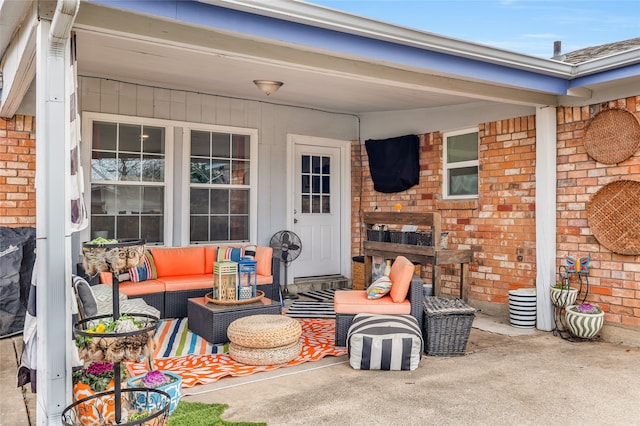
[(264, 331), (265, 356)]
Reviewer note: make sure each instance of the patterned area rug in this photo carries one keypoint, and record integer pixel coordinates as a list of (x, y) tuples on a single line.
[(312, 309), (196, 367), (321, 295)]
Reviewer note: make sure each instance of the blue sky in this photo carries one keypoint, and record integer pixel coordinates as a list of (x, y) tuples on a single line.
[(521, 26)]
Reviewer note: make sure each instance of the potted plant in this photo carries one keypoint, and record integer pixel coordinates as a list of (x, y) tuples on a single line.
[(585, 320), (95, 378), (165, 381), (563, 295), (124, 339)]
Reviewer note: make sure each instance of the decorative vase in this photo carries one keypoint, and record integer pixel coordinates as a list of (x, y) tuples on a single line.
[(583, 325), (97, 410), (144, 402), (562, 297)]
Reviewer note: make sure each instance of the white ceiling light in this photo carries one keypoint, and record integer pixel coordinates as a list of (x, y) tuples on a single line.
[(268, 86)]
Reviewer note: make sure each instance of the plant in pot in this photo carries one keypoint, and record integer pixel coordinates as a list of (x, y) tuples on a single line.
[(165, 381), (563, 295), (124, 339), (95, 378), (584, 320)]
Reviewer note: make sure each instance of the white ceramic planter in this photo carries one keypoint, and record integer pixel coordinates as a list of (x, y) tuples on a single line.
[(564, 297), (583, 325), (522, 307)]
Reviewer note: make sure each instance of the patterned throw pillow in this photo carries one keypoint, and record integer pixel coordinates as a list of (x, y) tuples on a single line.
[(250, 251), (229, 253), (379, 288), (145, 272)]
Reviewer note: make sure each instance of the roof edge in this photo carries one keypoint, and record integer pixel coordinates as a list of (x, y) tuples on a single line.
[(320, 16)]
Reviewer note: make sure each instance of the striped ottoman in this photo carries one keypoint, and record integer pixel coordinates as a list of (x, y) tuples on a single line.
[(264, 339), (384, 342)]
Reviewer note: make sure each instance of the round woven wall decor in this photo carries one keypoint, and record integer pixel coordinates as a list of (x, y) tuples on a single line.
[(614, 216), (612, 136)]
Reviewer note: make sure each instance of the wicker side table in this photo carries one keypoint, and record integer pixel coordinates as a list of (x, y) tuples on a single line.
[(446, 326)]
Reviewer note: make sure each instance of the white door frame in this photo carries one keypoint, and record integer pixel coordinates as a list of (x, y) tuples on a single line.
[(345, 191)]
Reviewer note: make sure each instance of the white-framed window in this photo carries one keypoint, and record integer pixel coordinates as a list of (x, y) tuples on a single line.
[(222, 179), (460, 164), (131, 171)]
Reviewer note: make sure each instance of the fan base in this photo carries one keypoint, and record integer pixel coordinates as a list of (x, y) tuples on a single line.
[(287, 295)]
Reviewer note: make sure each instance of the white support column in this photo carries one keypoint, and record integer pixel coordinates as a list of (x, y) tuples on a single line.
[(53, 266), (546, 154)]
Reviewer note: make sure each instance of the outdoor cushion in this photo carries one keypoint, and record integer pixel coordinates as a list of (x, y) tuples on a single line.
[(401, 273), (171, 261), (138, 289), (104, 293), (356, 302), (379, 288), (87, 305), (187, 282), (146, 271)]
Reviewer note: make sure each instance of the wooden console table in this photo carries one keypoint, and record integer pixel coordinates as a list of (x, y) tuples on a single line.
[(424, 255)]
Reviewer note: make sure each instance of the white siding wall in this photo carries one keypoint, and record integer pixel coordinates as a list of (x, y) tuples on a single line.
[(273, 123)]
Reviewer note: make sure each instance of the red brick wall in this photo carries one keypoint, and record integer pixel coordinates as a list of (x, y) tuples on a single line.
[(500, 225), (614, 279), (17, 171)]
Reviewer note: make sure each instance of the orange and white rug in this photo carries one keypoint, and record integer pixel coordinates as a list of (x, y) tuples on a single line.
[(202, 366)]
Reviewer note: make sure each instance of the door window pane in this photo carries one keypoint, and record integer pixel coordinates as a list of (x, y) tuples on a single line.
[(315, 180)]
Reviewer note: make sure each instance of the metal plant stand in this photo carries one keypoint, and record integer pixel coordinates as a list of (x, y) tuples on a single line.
[(117, 258), (561, 328)]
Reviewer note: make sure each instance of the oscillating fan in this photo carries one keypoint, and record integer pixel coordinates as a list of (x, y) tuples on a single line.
[(287, 247)]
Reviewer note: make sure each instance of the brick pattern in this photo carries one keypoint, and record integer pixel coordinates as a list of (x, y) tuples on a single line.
[(614, 279), (17, 171)]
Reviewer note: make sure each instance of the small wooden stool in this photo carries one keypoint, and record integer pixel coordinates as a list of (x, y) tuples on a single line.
[(264, 339)]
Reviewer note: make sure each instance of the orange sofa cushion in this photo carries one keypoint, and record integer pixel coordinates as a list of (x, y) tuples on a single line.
[(138, 289), (187, 282), (171, 261), (401, 273), (263, 257), (356, 302)]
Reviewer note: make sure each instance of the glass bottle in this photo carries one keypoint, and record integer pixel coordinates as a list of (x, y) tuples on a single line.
[(387, 268)]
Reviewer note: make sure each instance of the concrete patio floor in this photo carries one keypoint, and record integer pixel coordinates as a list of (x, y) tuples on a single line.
[(508, 376)]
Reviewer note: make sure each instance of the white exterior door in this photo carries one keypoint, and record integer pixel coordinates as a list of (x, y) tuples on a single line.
[(317, 207)]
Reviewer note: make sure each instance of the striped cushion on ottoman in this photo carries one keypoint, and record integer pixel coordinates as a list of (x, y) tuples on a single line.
[(384, 342)]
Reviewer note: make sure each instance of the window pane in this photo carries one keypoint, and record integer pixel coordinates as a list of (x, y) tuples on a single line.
[(219, 228), (239, 228), (152, 168), (326, 204), (219, 201), (221, 145), (241, 146), (153, 140), (200, 145), (240, 173), (239, 201), (199, 228), (462, 147), (315, 164), (325, 185), (128, 199), (199, 170), (152, 229), (315, 204), (199, 201), (128, 226), (152, 200), (316, 184), (326, 165), (306, 204), (103, 226), (104, 166), (105, 136), (306, 168), (220, 172), (129, 167), (463, 181), (130, 137)]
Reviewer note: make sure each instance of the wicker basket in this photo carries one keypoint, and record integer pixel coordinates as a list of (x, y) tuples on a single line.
[(357, 274), (612, 136), (447, 325)]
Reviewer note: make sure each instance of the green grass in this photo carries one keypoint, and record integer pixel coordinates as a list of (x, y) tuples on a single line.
[(201, 414)]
